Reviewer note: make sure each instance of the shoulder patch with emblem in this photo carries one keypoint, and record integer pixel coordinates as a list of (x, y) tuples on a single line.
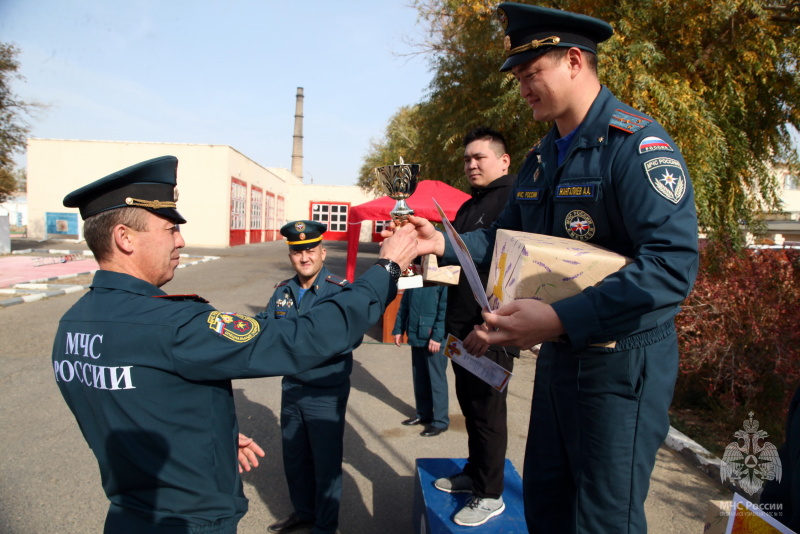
[(667, 177), (338, 280), (281, 284), (234, 326), (534, 148), (628, 122)]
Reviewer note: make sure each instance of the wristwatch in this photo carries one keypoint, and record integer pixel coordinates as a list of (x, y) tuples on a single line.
[(391, 267)]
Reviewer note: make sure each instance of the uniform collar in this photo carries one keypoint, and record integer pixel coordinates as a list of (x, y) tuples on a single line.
[(114, 280), (594, 128), (321, 275)]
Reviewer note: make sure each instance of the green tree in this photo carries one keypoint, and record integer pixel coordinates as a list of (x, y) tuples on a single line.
[(722, 77), (400, 141), (14, 128)]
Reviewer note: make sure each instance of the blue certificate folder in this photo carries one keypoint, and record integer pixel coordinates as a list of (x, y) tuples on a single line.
[(434, 509)]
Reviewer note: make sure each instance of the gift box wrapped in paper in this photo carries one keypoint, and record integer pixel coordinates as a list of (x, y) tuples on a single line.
[(433, 273), (534, 266)]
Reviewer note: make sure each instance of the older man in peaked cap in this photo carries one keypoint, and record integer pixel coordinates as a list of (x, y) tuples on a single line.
[(603, 387), (148, 375)]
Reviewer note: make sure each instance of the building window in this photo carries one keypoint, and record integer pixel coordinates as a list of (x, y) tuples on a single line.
[(281, 212), (255, 209), (238, 201), (334, 215), (270, 211), (380, 226), (791, 181)]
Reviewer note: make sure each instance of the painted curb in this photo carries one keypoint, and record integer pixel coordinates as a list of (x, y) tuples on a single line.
[(43, 293), (698, 456)]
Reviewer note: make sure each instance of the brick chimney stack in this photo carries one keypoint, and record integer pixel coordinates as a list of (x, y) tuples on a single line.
[(297, 145)]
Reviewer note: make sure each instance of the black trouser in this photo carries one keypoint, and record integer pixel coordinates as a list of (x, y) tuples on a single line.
[(484, 410)]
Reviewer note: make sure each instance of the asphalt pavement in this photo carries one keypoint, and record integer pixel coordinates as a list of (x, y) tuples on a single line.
[(49, 481)]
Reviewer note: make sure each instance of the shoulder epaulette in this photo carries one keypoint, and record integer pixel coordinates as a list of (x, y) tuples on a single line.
[(281, 284), (628, 122), (338, 280), (196, 298), (534, 148)]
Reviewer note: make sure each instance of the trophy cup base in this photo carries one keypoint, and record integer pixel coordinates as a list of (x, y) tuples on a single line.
[(409, 282)]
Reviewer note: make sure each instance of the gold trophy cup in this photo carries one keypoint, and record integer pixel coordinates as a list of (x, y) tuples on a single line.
[(399, 181)]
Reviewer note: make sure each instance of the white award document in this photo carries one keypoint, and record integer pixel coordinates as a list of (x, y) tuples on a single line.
[(490, 372), (467, 264), (464, 258)]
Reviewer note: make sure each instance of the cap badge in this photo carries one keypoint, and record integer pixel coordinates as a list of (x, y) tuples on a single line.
[(302, 236), (299, 226), (503, 18), (175, 194), (507, 43)]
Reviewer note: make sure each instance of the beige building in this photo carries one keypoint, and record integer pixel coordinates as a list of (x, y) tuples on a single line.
[(783, 228), (227, 198)]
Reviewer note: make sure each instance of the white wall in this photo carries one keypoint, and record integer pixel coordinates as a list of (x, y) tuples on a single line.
[(57, 167)]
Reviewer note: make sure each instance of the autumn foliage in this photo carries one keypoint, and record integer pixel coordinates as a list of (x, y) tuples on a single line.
[(740, 335), (722, 77)]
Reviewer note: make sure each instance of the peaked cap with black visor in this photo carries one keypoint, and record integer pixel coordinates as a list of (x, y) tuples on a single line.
[(532, 30), (150, 185), (303, 235)]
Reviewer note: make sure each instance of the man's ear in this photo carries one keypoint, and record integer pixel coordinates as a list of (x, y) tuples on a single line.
[(506, 161), (123, 238), (576, 60)]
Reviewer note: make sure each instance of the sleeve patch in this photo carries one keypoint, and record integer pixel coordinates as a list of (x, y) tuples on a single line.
[(234, 326), (667, 177), (651, 144), (628, 122)]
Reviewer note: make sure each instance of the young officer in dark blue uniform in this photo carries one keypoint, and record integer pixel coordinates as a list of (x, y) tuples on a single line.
[(313, 403), (148, 375), (610, 175), (421, 315)]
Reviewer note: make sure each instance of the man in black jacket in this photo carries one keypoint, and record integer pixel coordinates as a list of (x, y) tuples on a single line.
[(486, 166)]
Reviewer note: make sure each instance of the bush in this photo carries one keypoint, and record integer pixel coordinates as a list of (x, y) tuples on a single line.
[(739, 336)]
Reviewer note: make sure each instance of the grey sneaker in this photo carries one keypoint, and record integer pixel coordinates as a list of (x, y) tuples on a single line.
[(478, 511), (460, 483)]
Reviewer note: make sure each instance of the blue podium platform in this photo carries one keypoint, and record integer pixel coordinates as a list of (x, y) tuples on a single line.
[(434, 509)]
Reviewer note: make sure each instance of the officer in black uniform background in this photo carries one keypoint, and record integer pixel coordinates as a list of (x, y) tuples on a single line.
[(609, 175), (313, 403), (148, 375)]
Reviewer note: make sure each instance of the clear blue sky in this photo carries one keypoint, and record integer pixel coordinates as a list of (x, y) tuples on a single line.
[(220, 72)]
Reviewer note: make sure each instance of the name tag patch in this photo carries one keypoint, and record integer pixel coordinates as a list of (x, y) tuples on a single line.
[(529, 195), (667, 177), (576, 192)]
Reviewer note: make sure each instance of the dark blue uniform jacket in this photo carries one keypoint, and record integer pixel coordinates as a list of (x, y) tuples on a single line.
[(421, 315), (148, 380), (284, 305), (623, 186)]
